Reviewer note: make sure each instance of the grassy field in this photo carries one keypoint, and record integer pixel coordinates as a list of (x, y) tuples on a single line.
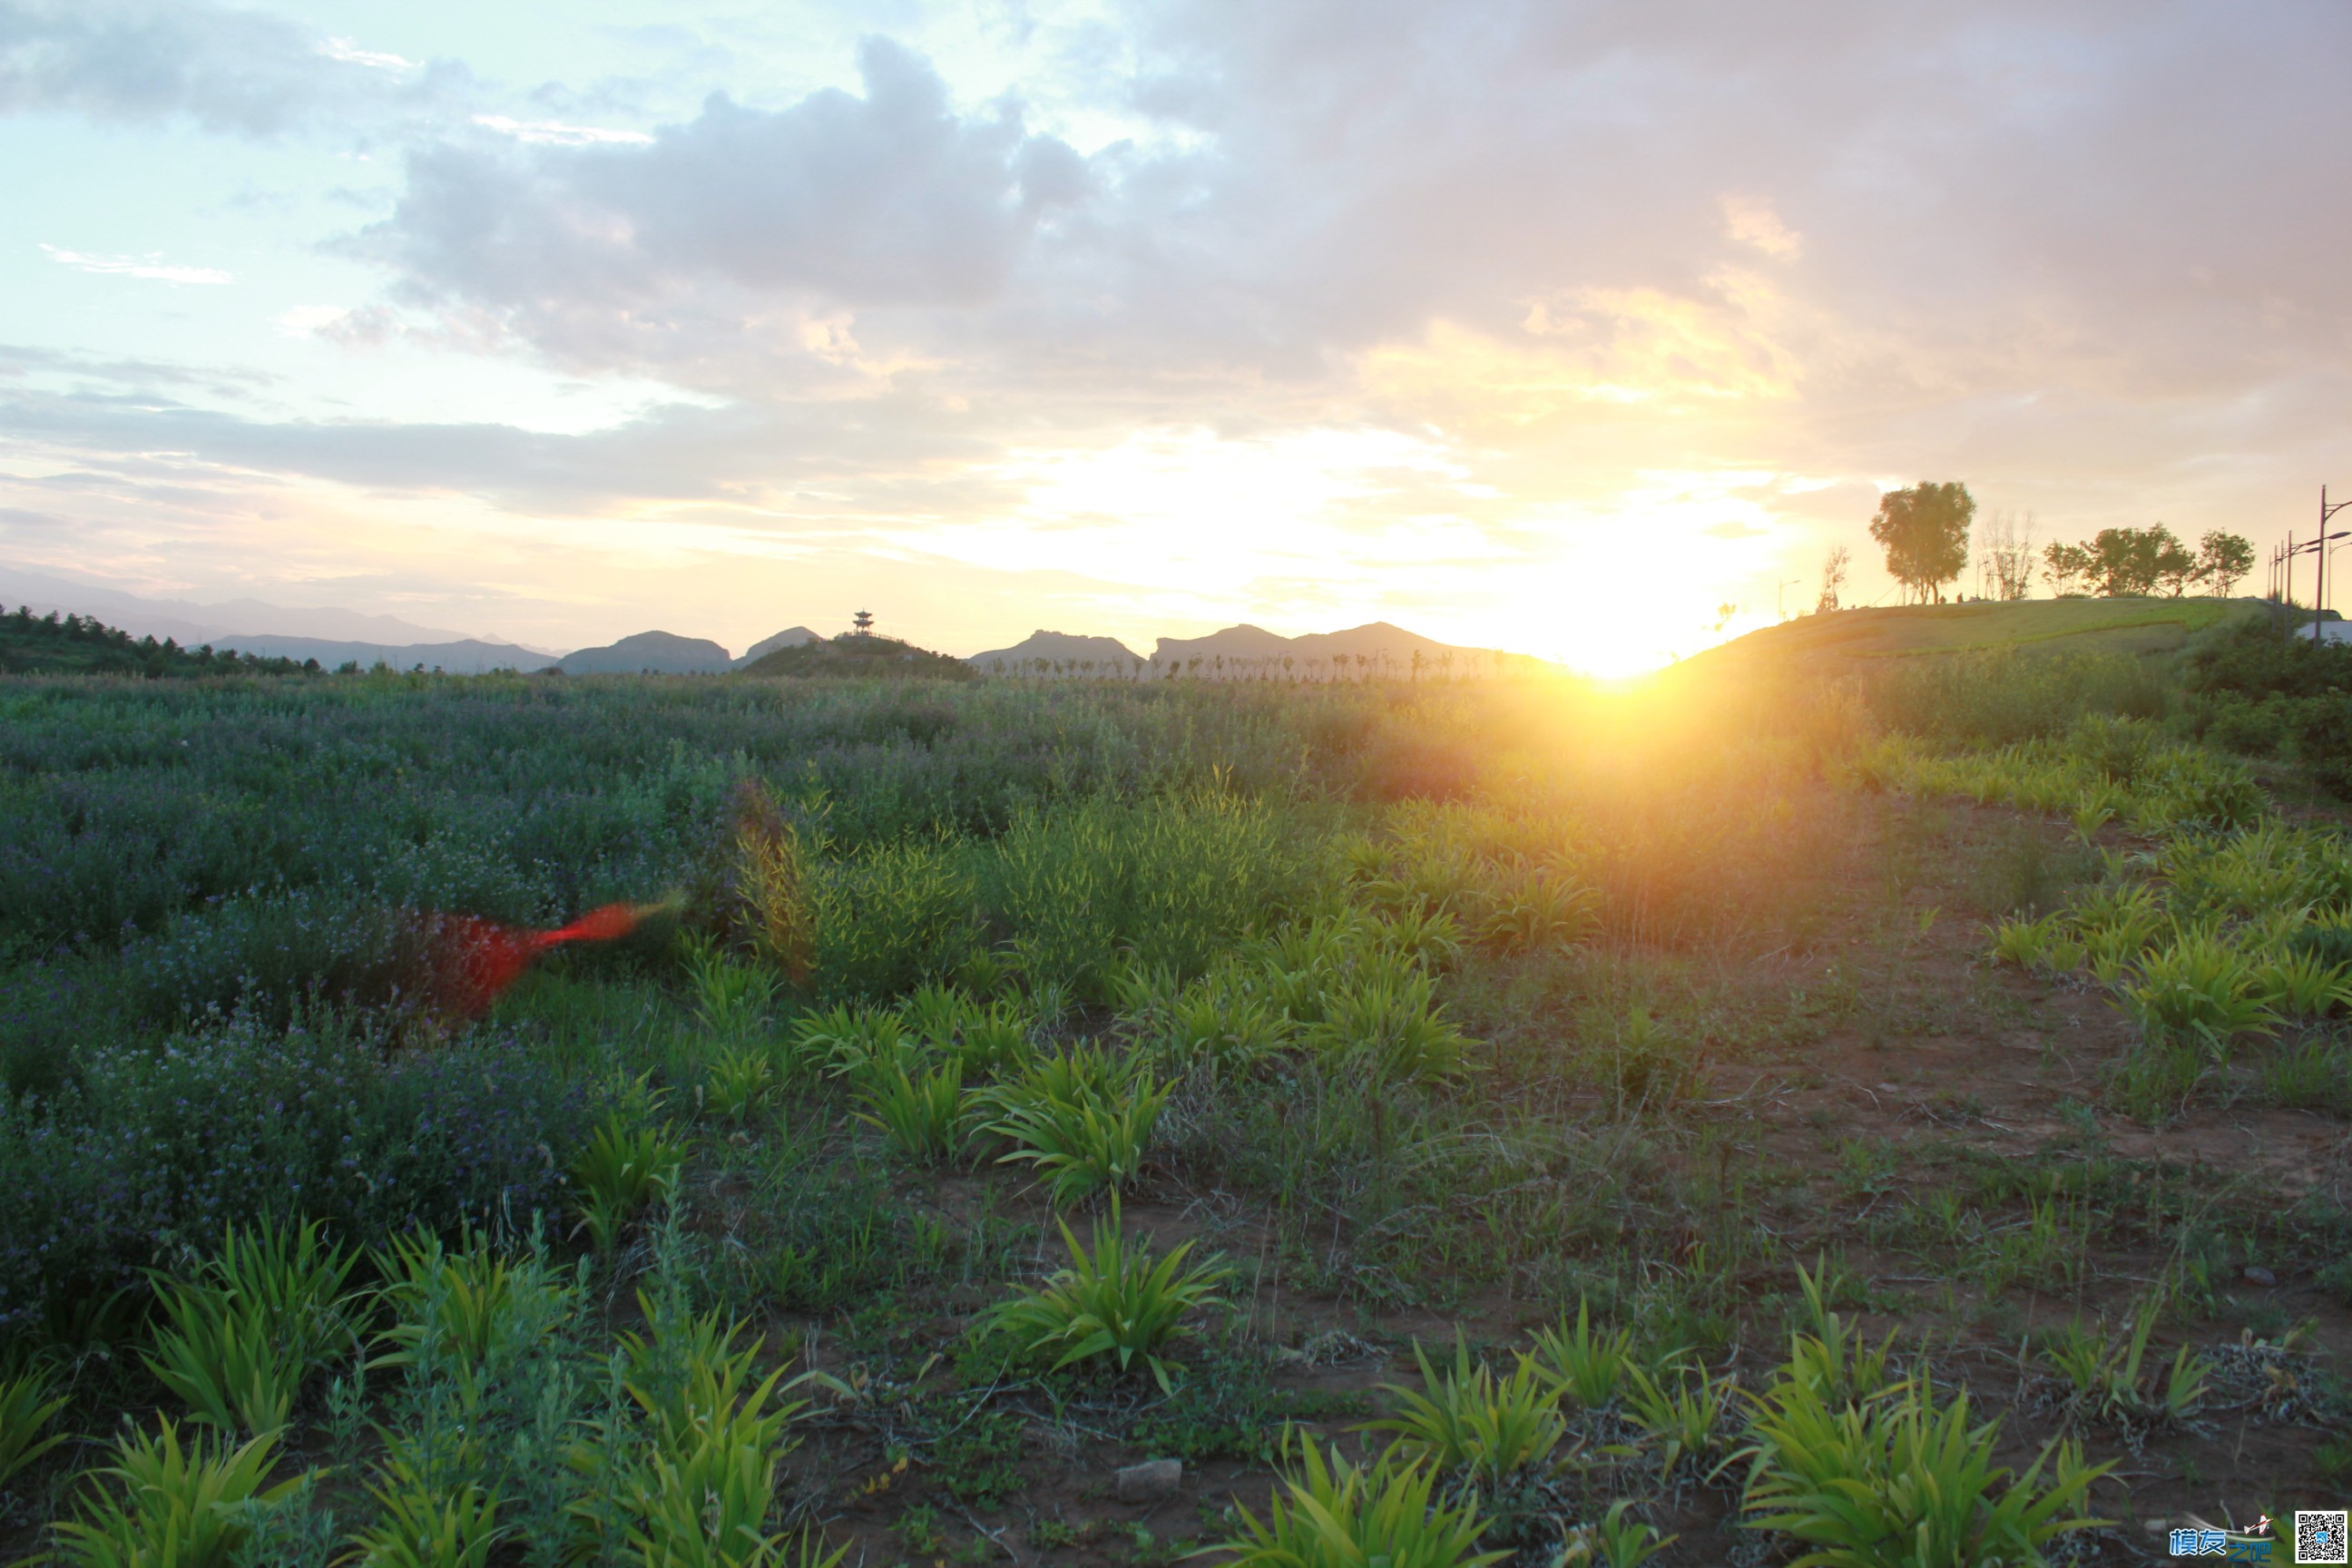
[(2038, 625), (1450, 1120)]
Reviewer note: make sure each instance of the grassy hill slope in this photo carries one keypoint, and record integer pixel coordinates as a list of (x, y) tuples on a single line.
[(868, 657), (2031, 626)]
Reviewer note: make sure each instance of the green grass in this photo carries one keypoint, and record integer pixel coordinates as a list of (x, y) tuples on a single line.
[(1548, 1018), (2133, 627)]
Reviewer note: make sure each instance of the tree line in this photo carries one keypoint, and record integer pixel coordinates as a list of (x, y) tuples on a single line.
[(83, 645), (1925, 531)]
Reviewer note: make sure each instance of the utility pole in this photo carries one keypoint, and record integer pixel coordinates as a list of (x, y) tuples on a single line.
[(2319, 592), (2320, 567)]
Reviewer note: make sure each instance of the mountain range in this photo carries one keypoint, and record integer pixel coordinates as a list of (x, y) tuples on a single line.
[(183, 619), (666, 653), (1243, 651), (337, 636)]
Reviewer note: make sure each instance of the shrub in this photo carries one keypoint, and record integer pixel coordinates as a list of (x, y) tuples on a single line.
[(620, 1172), (2037, 943), (1586, 1366), (922, 1113), (844, 1038), (1894, 1482), (740, 1082), (1394, 1026), (268, 1309), (1467, 1420), (983, 1038), (1684, 1418), (189, 1507), (220, 1356), (1082, 1119), (1114, 1303), (1647, 1063), (157, 1149), (418, 1526), (25, 1411), (2315, 1076), (2199, 987), (2106, 1377), (1834, 1358), (703, 1494), (1535, 909), (892, 917), (1221, 1020), (473, 1306), (730, 998), (1172, 881), (1339, 1515), (2306, 986), (1614, 1542)]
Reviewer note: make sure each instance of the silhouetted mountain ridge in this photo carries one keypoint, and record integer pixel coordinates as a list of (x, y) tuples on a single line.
[(650, 653), (791, 636), (1056, 647)]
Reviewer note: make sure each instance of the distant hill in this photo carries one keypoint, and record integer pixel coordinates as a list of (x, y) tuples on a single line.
[(649, 653), (469, 656), (792, 637), (1242, 642), (1382, 648), (2131, 626), (1074, 654), (849, 656), (243, 622)]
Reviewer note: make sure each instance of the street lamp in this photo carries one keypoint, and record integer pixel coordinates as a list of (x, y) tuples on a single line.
[(2318, 549), (1780, 601), (2319, 590)]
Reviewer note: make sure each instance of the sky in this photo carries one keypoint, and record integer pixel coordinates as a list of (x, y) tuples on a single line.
[(1550, 326)]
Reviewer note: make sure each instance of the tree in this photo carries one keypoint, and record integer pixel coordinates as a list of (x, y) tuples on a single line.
[(2068, 563), (2222, 559), (2175, 567), (2118, 561), (1924, 533), (2133, 561), (2005, 549), (1834, 570), (1723, 614)]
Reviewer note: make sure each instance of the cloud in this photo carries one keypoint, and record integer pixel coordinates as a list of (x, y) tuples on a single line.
[(348, 53), (150, 267), (711, 245), (228, 69), (2068, 253), (548, 134), (1959, 201), (1751, 221)]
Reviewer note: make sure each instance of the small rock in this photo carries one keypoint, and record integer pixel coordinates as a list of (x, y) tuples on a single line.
[(1148, 1481), (2258, 1275)]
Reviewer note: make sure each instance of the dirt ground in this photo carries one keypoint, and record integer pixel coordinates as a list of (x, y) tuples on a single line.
[(1961, 1068)]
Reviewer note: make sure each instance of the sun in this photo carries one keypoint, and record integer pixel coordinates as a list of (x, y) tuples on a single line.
[(1601, 609)]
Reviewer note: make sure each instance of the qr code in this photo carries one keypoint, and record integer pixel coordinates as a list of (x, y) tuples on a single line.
[(2319, 1537)]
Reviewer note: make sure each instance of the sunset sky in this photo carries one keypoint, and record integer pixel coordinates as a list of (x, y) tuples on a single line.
[(1550, 326)]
